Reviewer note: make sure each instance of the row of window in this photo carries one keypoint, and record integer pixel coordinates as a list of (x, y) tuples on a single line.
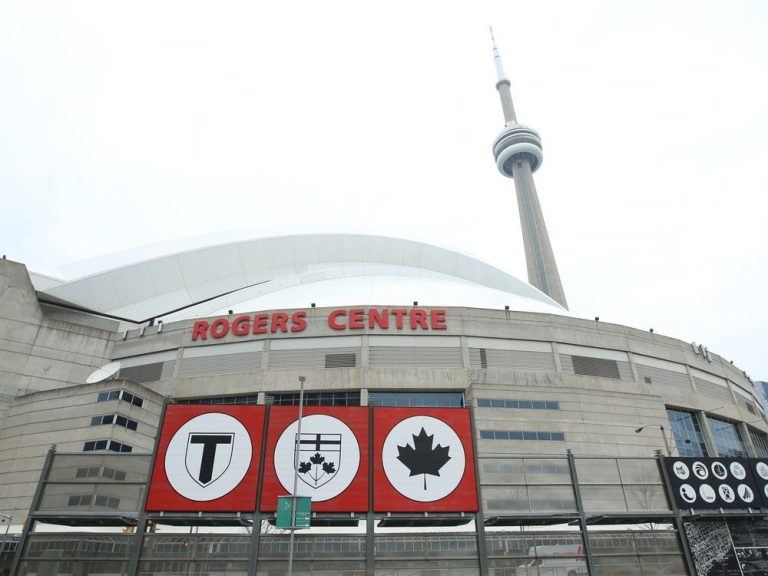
[(103, 472), (689, 438), (521, 435), (111, 445), (96, 499), (115, 419), (345, 398), (521, 404), (123, 395)]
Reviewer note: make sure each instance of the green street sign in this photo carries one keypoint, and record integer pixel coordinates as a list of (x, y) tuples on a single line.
[(303, 511)]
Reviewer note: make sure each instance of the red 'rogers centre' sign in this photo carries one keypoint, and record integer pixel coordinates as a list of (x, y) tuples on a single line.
[(341, 319)]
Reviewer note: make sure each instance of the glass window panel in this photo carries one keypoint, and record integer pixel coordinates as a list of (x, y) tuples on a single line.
[(603, 498), (547, 471), (727, 437), (645, 497), (639, 471), (483, 403), (686, 433), (760, 442), (597, 471), (552, 499), (506, 499)]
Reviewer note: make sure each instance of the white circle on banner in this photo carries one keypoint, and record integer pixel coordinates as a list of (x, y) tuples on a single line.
[(423, 458), (719, 470), (738, 471), (329, 457), (765, 490), (700, 470), (762, 470), (726, 493), (707, 493), (688, 493), (745, 493), (208, 456), (681, 470)]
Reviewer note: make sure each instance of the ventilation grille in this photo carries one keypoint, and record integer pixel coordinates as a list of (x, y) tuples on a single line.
[(664, 377), (712, 390), (224, 364), (313, 358), (587, 366), (411, 356), (149, 372), (511, 360)]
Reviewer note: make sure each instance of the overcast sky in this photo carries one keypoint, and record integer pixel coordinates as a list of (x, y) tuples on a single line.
[(132, 123)]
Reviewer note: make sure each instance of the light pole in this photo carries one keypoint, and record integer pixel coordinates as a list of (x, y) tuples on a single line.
[(663, 433), (295, 474)]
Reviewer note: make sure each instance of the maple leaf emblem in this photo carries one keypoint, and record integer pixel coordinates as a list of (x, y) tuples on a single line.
[(422, 458), (316, 468)]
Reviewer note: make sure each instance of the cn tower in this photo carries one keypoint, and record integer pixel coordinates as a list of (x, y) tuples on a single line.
[(518, 154)]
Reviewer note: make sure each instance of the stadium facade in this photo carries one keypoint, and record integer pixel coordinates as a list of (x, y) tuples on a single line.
[(457, 421)]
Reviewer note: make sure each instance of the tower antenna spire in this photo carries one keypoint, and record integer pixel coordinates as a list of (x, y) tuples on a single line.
[(502, 85), (518, 155)]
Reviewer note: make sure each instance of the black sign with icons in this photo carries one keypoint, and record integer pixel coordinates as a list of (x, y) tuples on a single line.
[(717, 482), (759, 467)]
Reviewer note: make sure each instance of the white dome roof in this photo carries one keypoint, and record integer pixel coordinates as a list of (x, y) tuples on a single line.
[(295, 271)]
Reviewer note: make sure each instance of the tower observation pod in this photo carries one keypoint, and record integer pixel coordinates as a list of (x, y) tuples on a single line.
[(518, 154)]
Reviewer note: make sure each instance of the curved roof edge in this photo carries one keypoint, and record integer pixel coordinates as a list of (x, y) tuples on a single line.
[(157, 286)]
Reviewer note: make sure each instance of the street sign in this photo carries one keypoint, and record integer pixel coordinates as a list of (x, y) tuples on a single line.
[(303, 511)]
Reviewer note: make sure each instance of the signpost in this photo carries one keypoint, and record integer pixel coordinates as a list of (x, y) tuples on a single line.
[(285, 511)]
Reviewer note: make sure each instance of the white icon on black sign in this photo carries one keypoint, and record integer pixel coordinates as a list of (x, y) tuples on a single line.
[(688, 493), (762, 470), (726, 493), (700, 470), (745, 493), (681, 470), (707, 493), (719, 470), (765, 490), (738, 471)]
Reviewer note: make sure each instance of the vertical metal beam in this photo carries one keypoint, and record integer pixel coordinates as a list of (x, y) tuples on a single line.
[(370, 520), (30, 522), (582, 513), (141, 523), (253, 555), (482, 546), (302, 379), (679, 524)]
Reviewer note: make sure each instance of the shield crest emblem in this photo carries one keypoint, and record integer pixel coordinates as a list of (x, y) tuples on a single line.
[(208, 456), (319, 458)]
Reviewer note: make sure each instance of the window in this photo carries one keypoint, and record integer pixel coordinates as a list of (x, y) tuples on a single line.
[(520, 404), (317, 399), (240, 400), (114, 419), (686, 433), (80, 500), (112, 445), (107, 502), (417, 399), (120, 395), (521, 435), (727, 437), (106, 472), (760, 442)]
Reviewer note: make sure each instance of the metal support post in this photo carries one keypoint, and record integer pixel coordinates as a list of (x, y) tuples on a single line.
[(582, 513), (296, 445), (370, 559), (482, 547), (30, 522), (679, 524), (253, 555)]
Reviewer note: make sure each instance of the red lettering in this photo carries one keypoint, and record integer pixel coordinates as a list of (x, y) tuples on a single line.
[(437, 320), (200, 330), (381, 318), (399, 314), (332, 319), (220, 328), (419, 318), (357, 318), (260, 323), (241, 325), (298, 321), (279, 321)]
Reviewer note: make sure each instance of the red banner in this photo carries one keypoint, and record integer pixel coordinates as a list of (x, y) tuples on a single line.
[(424, 460), (207, 459), (333, 458)]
